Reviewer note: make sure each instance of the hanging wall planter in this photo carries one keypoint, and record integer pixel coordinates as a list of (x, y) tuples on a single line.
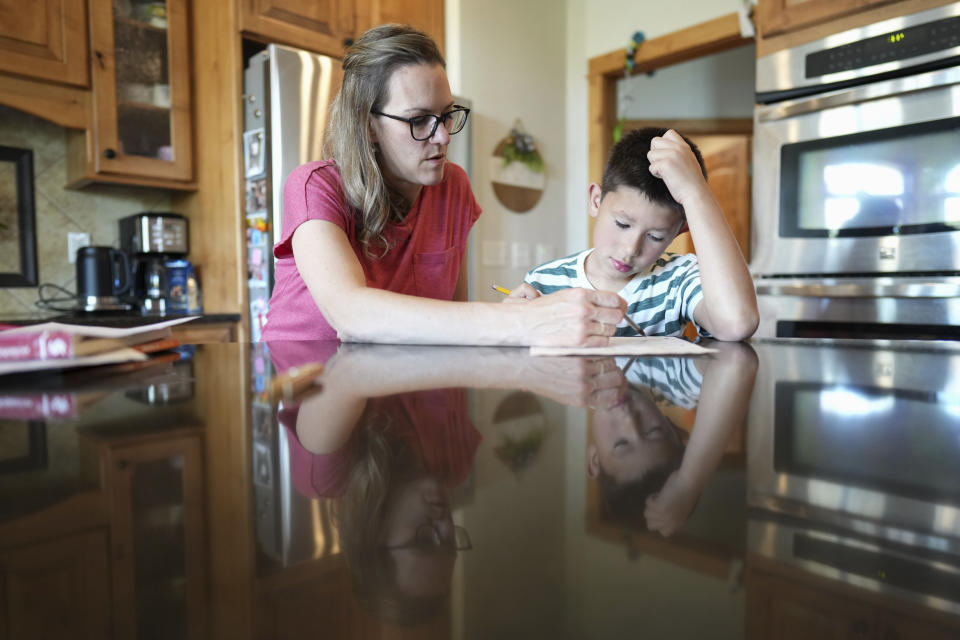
[(519, 176)]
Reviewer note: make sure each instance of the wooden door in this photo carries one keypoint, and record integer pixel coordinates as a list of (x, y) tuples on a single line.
[(45, 39), (324, 26), (727, 158)]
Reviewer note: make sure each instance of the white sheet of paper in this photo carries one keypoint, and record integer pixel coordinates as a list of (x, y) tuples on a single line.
[(632, 346), (97, 331), (107, 357)]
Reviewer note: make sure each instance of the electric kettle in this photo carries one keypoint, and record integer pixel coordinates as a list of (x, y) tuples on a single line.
[(103, 274)]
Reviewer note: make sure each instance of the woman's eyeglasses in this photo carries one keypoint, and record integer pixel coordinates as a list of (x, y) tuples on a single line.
[(428, 537), (423, 127)]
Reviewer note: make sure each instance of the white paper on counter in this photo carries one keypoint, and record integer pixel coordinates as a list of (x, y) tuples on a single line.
[(124, 354), (93, 330), (630, 346)]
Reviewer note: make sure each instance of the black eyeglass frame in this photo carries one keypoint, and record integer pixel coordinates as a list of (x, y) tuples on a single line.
[(436, 120), (460, 541)]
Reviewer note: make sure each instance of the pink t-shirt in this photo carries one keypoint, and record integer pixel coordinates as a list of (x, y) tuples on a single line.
[(435, 424), (427, 249)]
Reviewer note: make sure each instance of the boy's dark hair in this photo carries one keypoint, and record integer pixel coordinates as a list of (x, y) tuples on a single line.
[(626, 503), (628, 166)]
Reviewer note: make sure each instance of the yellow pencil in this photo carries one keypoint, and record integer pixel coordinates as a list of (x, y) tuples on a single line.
[(497, 287)]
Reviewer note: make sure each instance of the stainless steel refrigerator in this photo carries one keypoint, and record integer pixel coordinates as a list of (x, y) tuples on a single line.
[(287, 97)]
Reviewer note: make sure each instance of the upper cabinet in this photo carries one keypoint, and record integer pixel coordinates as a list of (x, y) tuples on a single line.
[(141, 127), (326, 26), (780, 16), (786, 23), (46, 40), (426, 15), (330, 26)]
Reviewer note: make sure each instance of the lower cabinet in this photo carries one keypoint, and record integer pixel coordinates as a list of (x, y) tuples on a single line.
[(779, 608), (58, 588), (157, 526)]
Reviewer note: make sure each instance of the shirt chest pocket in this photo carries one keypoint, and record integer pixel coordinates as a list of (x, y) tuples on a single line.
[(435, 273)]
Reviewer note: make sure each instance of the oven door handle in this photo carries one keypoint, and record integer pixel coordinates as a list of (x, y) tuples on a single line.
[(875, 91), (883, 288)]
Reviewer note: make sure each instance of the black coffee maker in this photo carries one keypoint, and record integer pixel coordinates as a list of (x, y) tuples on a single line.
[(103, 277), (151, 239)]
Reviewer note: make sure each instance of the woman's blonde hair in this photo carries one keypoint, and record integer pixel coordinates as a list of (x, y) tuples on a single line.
[(367, 69)]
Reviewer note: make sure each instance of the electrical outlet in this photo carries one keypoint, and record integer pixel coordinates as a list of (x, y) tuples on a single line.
[(494, 254), (76, 240)]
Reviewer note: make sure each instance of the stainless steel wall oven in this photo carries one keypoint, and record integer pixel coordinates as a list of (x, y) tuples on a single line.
[(856, 197)]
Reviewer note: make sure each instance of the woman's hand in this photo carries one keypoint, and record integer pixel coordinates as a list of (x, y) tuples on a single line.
[(575, 381), (574, 318), (522, 292)]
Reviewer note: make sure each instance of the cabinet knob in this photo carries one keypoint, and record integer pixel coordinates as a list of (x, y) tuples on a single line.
[(348, 42), (109, 153)]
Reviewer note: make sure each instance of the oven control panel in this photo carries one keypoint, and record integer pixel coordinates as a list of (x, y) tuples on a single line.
[(901, 44)]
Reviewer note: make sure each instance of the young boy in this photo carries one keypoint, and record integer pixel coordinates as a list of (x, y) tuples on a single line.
[(653, 186)]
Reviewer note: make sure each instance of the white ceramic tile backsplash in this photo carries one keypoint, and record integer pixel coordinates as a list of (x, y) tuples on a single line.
[(94, 209)]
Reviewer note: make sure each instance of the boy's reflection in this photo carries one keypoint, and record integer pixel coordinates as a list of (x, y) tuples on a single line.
[(648, 477)]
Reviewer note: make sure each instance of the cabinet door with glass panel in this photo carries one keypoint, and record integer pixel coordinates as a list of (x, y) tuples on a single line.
[(141, 91)]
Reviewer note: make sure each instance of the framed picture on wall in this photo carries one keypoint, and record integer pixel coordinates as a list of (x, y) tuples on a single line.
[(18, 238)]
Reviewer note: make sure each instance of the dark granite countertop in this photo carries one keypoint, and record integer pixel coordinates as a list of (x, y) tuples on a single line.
[(112, 319), (480, 492)]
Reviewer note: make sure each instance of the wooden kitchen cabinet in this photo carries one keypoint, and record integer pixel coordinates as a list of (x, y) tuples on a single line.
[(324, 26), (782, 24), (775, 17), (783, 608), (58, 588), (158, 570), (141, 124), (45, 40), (426, 15), (330, 26)]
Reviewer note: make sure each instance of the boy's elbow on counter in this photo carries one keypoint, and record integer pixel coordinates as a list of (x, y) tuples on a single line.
[(739, 328)]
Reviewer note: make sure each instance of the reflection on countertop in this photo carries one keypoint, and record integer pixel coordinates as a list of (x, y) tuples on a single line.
[(426, 491)]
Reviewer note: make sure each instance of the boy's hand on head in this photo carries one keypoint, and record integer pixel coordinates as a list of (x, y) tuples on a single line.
[(668, 509), (672, 160), (522, 293)]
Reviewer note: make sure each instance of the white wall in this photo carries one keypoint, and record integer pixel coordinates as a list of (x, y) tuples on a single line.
[(508, 57), (716, 86)]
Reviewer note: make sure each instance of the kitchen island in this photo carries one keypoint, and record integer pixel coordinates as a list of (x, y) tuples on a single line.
[(781, 488)]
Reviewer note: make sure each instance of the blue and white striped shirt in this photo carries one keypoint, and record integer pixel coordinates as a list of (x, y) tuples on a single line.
[(661, 300)]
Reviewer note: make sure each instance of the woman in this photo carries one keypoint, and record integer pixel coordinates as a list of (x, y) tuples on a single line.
[(373, 244)]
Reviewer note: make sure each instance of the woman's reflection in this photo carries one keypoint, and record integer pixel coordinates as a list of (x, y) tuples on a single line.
[(388, 436), (649, 473)]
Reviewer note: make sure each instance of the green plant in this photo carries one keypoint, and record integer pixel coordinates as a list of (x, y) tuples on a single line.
[(520, 147)]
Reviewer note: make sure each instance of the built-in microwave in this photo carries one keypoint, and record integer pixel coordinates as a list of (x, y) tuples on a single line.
[(856, 190)]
